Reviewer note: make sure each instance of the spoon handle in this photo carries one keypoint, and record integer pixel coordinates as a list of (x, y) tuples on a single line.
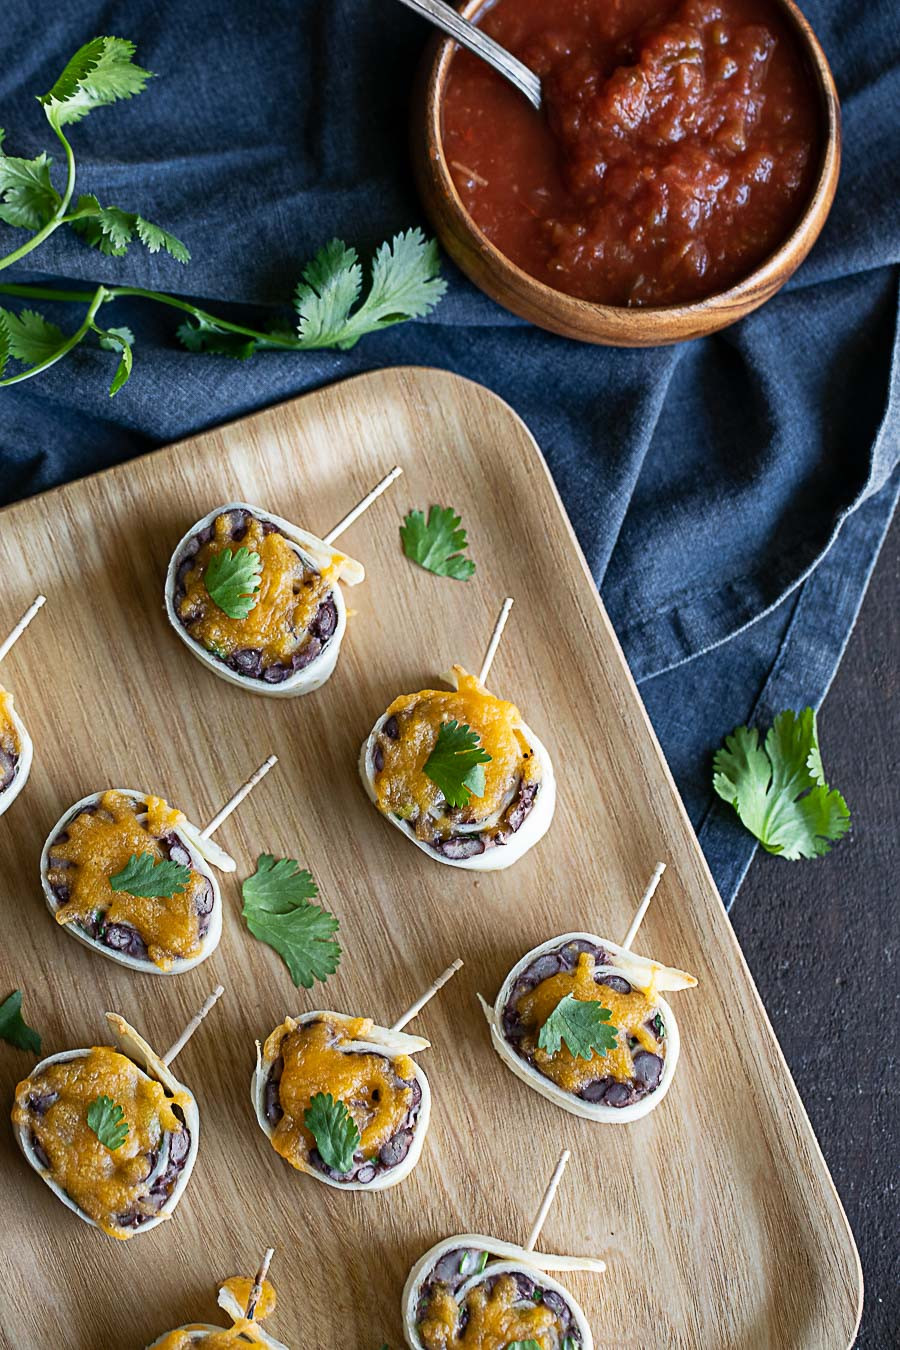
[(446, 17)]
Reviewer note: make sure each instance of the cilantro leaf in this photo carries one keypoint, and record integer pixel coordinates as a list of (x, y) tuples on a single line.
[(13, 1028), (582, 1024), (154, 237), (29, 336), (405, 284), (779, 789), (278, 911), (455, 763), (101, 72), (330, 288), (111, 230), (334, 1130), (148, 878), (111, 339), (106, 1119), (232, 581), (438, 544), (278, 884), (119, 340), (27, 197), (201, 335)]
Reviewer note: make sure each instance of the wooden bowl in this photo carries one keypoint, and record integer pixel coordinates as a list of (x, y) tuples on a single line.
[(612, 325)]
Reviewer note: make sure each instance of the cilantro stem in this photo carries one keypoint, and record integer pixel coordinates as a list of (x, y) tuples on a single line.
[(137, 292), (97, 299), (57, 219)]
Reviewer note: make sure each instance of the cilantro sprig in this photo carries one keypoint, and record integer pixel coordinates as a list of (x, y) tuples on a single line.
[(584, 1025), (438, 543), (334, 1130), (456, 763), (330, 307), (13, 1028), (149, 878), (232, 581), (779, 790), (107, 1119), (278, 910)]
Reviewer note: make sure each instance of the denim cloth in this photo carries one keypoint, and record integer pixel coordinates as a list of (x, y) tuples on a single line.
[(730, 494)]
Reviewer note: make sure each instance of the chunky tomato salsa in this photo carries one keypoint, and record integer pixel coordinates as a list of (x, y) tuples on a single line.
[(676, 149)]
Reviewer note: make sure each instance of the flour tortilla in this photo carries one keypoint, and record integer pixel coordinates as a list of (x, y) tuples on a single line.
[(379, 1041), (202, 851), (24, 761), (198, 1331), (135, 1048), (534, 826), (311, 549), (641, 973), (511, 1259)]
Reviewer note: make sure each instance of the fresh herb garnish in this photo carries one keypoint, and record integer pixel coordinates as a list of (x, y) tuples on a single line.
[(106, 1118), (278, 911), (584, 1026), (779, 789), (334, 1130), (438, 544), (522, 1345), (13, 1028), (329, 306), (149, 878), (456, 763), (232, 581)]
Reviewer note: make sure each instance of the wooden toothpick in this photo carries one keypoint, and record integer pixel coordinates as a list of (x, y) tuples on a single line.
[(547, 1201), (234, 802), (363, 505), (192, 1025), (415, 1008), (644, 905), (256, 1291), (495, 640), (23, 623)]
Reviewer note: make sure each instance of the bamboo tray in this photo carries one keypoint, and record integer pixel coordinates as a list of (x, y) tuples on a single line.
[(716, 1213)]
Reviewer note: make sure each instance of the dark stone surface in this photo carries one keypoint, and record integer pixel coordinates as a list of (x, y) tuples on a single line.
[(833, 989)]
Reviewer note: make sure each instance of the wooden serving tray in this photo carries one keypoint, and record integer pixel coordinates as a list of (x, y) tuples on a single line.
[(716, 1213)]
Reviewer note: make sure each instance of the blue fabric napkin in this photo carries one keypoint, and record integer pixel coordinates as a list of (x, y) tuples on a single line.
[(731, 494)]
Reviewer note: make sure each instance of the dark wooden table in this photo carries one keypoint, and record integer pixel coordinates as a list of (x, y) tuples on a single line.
[(822, 941)]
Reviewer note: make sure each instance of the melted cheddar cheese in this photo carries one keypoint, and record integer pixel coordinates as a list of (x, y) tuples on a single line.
[(241, 1288), (9, 739), (401, 785), (98, 846), (243, 1332), (289, 594), (103, 1182), (629, 1014), (496, 1319), (315, 1060)]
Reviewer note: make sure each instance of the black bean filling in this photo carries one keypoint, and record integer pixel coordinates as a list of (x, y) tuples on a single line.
[(122, 937), (648, 1067), (364, 1170), (146, 1205), (248, 661), (455, 1267), (8, 762), (459, 845)]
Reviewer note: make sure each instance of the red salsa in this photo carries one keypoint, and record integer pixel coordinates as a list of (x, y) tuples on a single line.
[(677, 147)]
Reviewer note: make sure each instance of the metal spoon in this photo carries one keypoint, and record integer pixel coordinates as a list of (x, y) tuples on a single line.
[(442, 14)]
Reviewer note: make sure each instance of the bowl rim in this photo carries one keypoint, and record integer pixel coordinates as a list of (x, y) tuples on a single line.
[(643, 320)]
